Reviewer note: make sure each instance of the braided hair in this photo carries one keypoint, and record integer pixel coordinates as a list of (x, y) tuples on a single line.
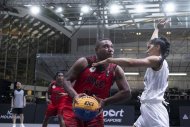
[(164, 46)]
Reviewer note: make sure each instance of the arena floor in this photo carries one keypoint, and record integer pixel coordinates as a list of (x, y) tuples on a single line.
[(39, 125), (50, 125)]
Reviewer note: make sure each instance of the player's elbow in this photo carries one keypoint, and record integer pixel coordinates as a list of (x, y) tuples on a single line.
[(127, 94)]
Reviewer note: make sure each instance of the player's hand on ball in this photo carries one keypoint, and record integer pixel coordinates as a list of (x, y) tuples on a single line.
[(101, 102), (78, 96)]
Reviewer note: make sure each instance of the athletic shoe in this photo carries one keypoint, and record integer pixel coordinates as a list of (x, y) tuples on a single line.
[(22, 125)]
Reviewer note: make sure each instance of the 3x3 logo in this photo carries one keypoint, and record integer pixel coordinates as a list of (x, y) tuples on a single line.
[(88, 103)]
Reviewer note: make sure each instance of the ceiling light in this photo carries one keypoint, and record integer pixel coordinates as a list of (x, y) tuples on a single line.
[(178, 74), (114, 9), (85, 9), (139, 8), (131, 73), (35, 10), (59, 9), (52, 7), (169, 7)]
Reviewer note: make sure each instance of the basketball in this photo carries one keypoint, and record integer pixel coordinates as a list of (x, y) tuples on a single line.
[(86, 108)]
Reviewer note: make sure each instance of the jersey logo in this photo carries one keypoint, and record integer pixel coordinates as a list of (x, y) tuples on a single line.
[(92, 69), (53, 86)]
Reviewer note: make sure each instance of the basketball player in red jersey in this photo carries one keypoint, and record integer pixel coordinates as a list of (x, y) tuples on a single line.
[(55, 99), (94, 81)]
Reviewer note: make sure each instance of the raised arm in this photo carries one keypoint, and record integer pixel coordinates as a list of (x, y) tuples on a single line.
[(159, 26)]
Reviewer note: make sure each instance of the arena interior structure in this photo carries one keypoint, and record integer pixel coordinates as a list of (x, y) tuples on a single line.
[(40, 37)]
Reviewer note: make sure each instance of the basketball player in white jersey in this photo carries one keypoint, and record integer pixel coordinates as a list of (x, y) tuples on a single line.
[(153, 112)]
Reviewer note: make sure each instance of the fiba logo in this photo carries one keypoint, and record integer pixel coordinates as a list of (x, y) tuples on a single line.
[(53, 87), (113, 113)]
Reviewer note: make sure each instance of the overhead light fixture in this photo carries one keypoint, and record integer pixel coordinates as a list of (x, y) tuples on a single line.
[(139, 8), (52, 7), (131, 73), (114, 9), (169, 7), (168, 33), (59, 9), (85, 9), (178, 74), (35, 10)]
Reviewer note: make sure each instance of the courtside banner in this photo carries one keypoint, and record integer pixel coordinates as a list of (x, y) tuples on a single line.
[(184, 113), (6, 113), (119, 115)]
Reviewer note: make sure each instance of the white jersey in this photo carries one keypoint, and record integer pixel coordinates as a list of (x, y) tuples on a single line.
[(18, 101), (155, 83)]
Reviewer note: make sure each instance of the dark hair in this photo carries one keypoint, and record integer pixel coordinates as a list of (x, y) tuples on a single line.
[(14, 87), (164, 46), (57, 73), (100, 40)]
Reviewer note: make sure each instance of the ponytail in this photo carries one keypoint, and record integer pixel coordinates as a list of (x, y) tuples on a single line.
[(164, 46), (166, 49)]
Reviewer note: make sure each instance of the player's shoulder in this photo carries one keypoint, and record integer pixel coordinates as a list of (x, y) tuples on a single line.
[(82, 60), (154, 58), (86, 60), (119, 70)]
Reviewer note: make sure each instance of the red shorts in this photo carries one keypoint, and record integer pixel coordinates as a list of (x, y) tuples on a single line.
[(54, 109), (71, 120)]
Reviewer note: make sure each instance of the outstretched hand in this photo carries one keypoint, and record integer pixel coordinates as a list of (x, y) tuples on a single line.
[(100, 63), (161, 24)]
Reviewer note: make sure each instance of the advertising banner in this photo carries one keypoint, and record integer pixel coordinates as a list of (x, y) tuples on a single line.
[(34, 113), (6, 113), (119, 115), (184, 114)]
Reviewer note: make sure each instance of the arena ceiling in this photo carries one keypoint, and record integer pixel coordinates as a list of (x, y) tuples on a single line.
[(19, 28)]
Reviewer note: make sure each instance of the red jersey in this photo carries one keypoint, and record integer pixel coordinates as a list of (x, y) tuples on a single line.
[(95, 80), (55, 91)]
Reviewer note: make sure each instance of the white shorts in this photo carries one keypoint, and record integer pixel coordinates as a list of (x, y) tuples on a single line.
[(153, 115)]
